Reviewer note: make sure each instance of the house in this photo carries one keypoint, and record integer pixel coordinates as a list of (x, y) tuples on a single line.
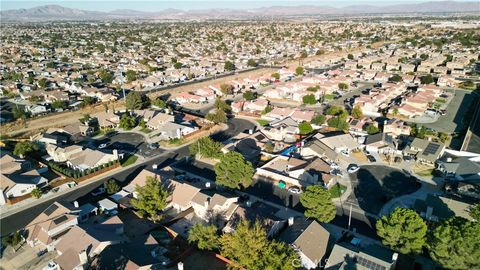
[(309, 239), (36, 109), (107, 119), (289, 171), (256, 106), (460, 168), (49, 225), (316, 148), (18, 178), (218, 206), (438, 208), (89, 159), (171, 130), (52, 136), (160, 119), (278, 114), (145, 115), (396, 127), (302, 116), (339, 143), (380, 143), (77, 131), (63, 153), (284, 129), (361, 258), (424, 151), (82, 243)]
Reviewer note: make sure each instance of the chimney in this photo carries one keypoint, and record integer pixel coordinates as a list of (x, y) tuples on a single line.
[(180, 266), (395, 257), (83, 257), (291, 220), (75, 204)]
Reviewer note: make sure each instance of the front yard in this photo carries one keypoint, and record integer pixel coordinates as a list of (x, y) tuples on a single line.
[(337, 190)]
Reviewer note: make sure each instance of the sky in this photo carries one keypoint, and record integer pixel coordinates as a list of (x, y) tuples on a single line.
[(157, 5)]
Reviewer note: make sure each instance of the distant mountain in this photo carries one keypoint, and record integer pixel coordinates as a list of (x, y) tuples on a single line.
[(56, 12)]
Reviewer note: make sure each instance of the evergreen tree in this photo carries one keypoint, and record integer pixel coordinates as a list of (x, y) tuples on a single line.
[(234, 171), (205, 237), (318, 204), (151, 199)]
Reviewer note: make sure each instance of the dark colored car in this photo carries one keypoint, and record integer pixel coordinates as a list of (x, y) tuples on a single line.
[(371, 158)]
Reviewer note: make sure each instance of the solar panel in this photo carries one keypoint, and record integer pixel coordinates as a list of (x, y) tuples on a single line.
[(60, 220), (369, 264), (50, 209), (431, 148)]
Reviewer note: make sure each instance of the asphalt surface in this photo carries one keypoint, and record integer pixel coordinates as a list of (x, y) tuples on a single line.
[(452, 121), (82, 194), (375, 185), (126, 142)]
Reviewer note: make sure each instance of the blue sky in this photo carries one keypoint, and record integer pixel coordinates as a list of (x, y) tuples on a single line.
[(156, 5)]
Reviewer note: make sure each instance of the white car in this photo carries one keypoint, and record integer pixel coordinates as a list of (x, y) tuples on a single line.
[(345, 153), (352, 168), (101, 146), (294, 190), (51, 266)]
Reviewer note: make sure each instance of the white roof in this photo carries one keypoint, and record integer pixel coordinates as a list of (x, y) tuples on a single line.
[(107, 204), (117, 196)]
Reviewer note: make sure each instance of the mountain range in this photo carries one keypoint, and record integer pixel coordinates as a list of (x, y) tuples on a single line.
[(56, 12)]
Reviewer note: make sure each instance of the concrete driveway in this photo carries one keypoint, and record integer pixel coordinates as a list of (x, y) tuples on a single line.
[(126, 142)]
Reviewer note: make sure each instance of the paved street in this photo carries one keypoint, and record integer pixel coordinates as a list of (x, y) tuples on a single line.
[(81, 193), (452, 121)]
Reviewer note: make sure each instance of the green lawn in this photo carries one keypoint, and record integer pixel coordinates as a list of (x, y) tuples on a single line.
[(441, 100), (426, 173), (263, 122), (329, 96), (337, 190), (146, 130), (129, 161)]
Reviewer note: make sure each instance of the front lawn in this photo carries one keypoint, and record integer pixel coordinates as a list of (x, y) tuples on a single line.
[(146, 130), (263, 122), (337, 190), (129, 161)]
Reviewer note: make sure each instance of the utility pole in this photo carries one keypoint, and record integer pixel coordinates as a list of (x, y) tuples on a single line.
[(350, 217)]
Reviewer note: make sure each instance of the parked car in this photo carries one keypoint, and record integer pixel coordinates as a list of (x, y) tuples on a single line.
[(51, 266), (42, 252), (371, 158), (407, 158), (152, 146), (294, 190), (345, 153), (99, 191), (352, 168), (336, 172), (101, 146)]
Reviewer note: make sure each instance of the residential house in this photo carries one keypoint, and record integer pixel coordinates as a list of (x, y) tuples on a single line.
[(159, 120), (49, 225), (82, 243), (396, 127), (285, 130), (36, 109), (460, 168), (257, 105), (302, 116), (89, 159), (289, 171), (107, 119), (278, 114), (362, 258), (316, 148), (172, 130), (309, 239), (424, 151), (219, 207), (340, 143), (381, 143), (18, 178), (77, 131)]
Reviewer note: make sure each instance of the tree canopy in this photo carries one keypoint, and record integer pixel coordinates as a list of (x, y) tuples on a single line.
[(427, 79), (252, 63), (249, 95), (131, 75), (338, 123), (342, 86), (299, 71), (357, 112), (219, 116), (229, 66), (309, 99), (276, 75), (111, 186), (135, 101), (318, 204), (372, 129), (227, 89), (249, 247), (151, 199), (127, 121), (403, 231), (234, 171), (319, 119), (305, 128), (204, 237), (455, 244), (474, 211), (23, 148), (206, 147)]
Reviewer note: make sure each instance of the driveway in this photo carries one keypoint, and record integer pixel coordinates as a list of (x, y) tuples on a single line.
[(126, 142), (375, 185)]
